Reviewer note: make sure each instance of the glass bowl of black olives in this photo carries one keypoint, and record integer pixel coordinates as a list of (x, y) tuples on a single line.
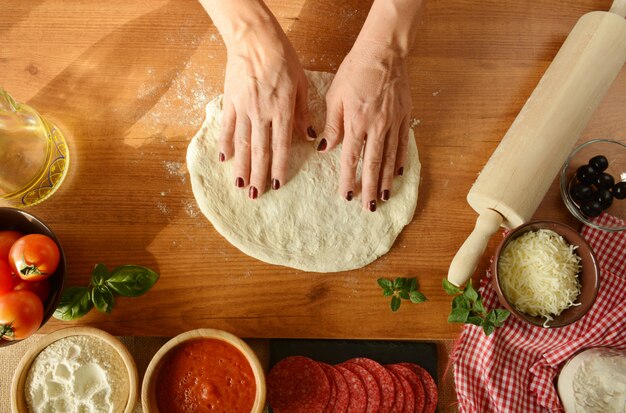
[(593, 184)]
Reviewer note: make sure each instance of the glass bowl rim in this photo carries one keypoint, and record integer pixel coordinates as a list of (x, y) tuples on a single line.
[(564, 186)]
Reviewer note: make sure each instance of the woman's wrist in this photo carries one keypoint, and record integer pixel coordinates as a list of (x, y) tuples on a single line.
[(378, 55), (390, 24), (236, 20)]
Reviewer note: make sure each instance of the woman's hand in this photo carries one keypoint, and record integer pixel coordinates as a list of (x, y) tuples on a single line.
[(265, 94), (369, 106)]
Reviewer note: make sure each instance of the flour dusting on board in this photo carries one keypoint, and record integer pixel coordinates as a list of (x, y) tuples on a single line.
[(176, 169), (183, 103)]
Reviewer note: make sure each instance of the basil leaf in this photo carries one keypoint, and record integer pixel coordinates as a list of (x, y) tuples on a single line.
[(404, 294), (489, 328), (501, 316), (412, 284), (385, 283), (458, 315), (398, 283), (75, 303), (131, 280), (395, 303), (491, 317), (477, 321), (103, 298), (478, 307), (450, 288), (460, 302), (417, 297), (470, 293), (387, 292), (99, 274)]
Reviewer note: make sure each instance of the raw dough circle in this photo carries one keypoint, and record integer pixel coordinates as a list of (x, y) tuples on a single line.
[(305, 224)]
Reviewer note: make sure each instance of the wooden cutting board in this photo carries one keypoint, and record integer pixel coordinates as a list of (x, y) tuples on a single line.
[(128, 81)]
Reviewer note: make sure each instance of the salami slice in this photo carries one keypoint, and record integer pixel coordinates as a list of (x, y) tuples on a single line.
[(383, 379), (430, 387), (333, 387), (356, 390), (414, 381), (398, 404), (342, 393), (409, 397), (369, 382), (297, 384)]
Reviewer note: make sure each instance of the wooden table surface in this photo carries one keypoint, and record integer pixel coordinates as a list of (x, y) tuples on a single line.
[(128, 80)]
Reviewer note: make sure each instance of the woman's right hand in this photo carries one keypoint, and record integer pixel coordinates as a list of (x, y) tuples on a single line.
[(265, 99)]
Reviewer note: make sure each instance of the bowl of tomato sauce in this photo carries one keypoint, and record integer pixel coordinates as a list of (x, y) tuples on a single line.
[(32, 274), (204, 370)]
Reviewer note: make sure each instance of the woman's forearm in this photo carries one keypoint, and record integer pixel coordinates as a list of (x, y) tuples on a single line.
[(237, 18), (391, 24)]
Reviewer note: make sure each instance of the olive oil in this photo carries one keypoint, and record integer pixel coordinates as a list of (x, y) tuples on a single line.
[(34, 156)]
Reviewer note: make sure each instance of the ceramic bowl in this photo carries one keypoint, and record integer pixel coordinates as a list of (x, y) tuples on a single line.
[(18, 398), (615, 152), (589, 276), (18, 220), (148, 388)]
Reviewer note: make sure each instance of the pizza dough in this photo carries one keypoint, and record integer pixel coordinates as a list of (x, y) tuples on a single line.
[(305, 224)]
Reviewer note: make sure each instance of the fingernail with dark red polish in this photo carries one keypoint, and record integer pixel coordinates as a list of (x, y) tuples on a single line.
[(275, 184), (385, 195), (311, 133), (373, 205), (401, 171), (322, 145), (239, 182), (253, 193), (222, 157), (349, 195)]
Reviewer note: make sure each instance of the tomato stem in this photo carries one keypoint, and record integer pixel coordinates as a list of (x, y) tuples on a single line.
[(7, 332), (31, 270)]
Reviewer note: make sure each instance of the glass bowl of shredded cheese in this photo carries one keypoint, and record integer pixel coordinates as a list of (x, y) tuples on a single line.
[(546, 274)]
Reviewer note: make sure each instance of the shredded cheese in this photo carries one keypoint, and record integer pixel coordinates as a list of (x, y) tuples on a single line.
[(539, 274)]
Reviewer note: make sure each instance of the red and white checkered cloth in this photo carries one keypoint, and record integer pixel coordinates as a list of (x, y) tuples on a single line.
[(514, 369)]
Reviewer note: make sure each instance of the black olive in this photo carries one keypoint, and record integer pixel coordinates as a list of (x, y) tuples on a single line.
[(591, 208), (604, 198), (581, 192), (586, 174), (619, 190), (604, 181), (599, 163)]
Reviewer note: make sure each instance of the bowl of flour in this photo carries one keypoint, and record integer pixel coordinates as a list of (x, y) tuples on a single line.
[(79, 369)]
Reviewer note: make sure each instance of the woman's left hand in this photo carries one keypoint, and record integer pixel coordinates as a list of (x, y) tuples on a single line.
[(369, 106)]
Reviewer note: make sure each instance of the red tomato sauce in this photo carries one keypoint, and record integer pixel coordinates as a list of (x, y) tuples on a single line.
[(205, 376)]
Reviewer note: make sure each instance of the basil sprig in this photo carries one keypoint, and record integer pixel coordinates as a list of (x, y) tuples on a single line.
[(467, 307), (126, 280), (401, 289)]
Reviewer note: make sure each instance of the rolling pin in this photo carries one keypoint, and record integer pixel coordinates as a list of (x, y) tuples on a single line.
[(517, 176)]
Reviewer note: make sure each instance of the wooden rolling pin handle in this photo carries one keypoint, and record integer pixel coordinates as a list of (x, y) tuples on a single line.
[(466, 259), (619, 7)]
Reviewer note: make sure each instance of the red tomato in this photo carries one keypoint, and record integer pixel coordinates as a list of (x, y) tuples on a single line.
[(41, 288), (7, 239), (21, 314), (34, 257), (5, 277)]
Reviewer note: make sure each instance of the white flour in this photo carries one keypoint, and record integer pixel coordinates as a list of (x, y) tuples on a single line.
[(81, 374)]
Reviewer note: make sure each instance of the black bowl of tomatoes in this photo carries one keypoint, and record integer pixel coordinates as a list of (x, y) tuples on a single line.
[(32, 273)]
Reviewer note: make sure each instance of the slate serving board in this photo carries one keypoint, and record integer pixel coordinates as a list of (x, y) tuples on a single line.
[(338, 351)]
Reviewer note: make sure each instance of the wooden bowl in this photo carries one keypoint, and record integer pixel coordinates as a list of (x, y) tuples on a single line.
[(589, 276), (18, 220), (148, 388), (18, 399)]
